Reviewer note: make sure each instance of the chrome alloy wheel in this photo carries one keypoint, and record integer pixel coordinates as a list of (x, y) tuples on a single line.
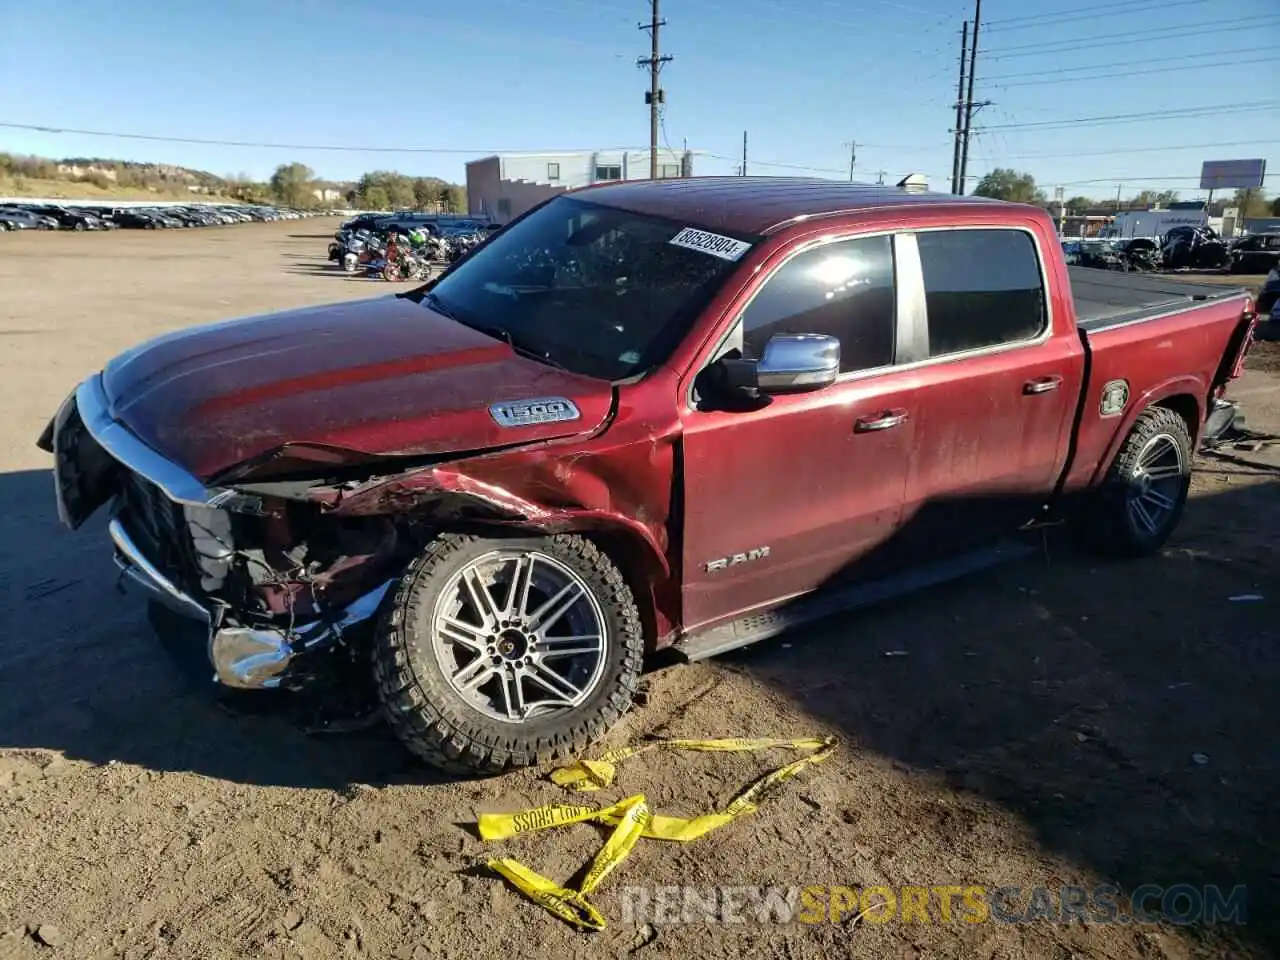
[(1155, 485), (519, 635)]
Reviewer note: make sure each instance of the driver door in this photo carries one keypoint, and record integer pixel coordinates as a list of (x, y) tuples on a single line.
[(803, 490)]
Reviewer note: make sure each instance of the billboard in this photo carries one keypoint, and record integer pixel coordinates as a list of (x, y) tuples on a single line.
[(1232, 174)]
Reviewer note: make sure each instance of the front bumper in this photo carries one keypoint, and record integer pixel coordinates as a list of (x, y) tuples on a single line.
[(244, 654)]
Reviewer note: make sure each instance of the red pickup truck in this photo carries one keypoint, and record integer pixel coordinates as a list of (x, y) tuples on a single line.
[(689, 412)]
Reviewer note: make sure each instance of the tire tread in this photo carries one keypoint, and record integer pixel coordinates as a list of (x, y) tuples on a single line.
[(1105, 529), (425, 719)]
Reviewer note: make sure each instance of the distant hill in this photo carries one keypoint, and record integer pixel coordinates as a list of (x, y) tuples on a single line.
[(17, 173), (83, 167), (294, 184)]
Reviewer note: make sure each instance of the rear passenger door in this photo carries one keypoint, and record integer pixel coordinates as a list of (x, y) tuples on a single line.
[(997, 394)]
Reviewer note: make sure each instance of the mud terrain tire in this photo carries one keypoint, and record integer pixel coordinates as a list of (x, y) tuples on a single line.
[(437, 722), (1155, 462)]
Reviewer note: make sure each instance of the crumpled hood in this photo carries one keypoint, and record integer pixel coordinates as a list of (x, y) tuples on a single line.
[(380, 377)]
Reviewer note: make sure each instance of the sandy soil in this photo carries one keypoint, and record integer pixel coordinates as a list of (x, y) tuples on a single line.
[(1056, 722)]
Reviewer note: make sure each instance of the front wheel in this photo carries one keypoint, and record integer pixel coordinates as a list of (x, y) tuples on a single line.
[(498, 653), (1142, 498)]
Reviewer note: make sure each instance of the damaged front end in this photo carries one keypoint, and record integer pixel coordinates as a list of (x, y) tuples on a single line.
[(277, 581)]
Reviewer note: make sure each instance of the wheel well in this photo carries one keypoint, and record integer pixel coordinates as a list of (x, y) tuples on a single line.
[(1185, 406), (635, 561), (642, 573)]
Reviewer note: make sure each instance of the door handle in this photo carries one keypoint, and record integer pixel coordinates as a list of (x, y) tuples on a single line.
[(1042, 384), (884, 420)]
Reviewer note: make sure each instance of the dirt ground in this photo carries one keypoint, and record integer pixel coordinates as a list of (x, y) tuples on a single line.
[(1055, 722)]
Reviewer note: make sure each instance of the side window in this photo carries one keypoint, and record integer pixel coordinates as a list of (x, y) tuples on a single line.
[(982, 289), (843, 289)]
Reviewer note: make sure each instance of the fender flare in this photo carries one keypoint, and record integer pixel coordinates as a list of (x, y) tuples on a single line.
[(1186, 385)]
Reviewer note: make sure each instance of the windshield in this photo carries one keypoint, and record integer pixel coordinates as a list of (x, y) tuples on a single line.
[(596, 290)]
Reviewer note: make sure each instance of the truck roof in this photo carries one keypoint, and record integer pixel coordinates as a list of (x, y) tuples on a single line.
[(759, 205)]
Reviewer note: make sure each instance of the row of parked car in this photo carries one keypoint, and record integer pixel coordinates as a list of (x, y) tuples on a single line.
[(1183, 247), (47, 216), (443, 225)]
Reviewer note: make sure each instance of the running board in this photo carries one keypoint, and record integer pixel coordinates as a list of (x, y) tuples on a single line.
[(819, 605)]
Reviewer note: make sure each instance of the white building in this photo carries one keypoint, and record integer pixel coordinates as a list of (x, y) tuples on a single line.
[(504, 186)]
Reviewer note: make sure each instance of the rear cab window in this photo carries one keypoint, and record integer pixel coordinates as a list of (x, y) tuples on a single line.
[(983, 289)]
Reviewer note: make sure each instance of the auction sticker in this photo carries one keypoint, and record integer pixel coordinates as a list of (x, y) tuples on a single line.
[(726, 248)]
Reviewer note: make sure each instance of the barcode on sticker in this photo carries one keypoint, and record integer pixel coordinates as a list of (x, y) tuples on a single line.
[(726, 248)]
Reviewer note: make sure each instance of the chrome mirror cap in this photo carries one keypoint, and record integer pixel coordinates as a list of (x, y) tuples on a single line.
[(798, 361)]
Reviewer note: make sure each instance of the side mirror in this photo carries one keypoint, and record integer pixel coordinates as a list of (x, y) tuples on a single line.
[(798, 361), (791, 363)]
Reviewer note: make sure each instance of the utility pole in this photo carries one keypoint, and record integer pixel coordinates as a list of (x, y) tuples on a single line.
[(853, 156), (969, 104), (959, 130), (744, 153), (655, 96)]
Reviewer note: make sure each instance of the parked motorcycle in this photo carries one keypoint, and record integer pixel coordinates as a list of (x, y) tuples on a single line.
[(439, 249), (356, 250), (395, 260), (463, 244)]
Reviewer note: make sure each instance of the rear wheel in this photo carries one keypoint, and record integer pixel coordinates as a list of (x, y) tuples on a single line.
[(505, 653), (1142, 498)]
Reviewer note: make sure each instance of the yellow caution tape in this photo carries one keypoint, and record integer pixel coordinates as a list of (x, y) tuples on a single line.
[(630, 818)]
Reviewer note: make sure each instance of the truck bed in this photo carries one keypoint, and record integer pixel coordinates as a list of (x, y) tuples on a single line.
[(1109, 298)]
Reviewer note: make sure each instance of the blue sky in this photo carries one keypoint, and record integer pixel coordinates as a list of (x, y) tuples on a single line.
[(804, 77)]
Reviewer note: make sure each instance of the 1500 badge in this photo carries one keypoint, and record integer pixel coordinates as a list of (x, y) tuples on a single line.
[(525, 413), (724, 563)]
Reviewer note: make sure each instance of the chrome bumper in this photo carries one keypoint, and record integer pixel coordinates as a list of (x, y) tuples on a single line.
[(142, 572), (248, 658), (245, 657), (116, 439)]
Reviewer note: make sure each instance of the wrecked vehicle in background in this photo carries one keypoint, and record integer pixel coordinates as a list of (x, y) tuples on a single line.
[(1256, 253), (689, 412), (1195, 248)]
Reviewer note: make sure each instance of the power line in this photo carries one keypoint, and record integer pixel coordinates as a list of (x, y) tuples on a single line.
[(1163, 149), (1051, 20), (805, 17), (237, 143), (789, 13), (1211, 110), (1109, 7), (339, 148), (1128, 63), (1116, 75), (1081, 183), (782, 165), (1158, 33)]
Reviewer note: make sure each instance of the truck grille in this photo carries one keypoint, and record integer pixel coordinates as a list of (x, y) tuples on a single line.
[(157, 527)]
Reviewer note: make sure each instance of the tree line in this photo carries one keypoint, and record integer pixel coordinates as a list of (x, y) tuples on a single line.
[(1006, 184), (296, 185), (291, 185)]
